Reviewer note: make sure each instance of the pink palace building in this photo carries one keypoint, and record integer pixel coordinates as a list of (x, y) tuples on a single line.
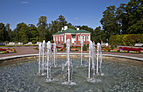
[(75, 36)]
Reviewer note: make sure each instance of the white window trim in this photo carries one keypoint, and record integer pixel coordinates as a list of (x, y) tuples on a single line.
[(62, 38)]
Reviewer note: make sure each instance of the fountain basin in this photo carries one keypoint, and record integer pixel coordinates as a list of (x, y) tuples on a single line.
[(119, 75)]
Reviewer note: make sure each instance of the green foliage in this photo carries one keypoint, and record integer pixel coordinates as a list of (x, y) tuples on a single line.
[(84, 48), (42, 25), (109, 22), (33, 34), (22, 32), (6, 42), (64, 45), (126, 19), (126, 39), (51, 41), (98, 35), (3, 33)]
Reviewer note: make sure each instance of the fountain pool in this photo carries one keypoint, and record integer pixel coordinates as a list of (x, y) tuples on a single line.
[(120, 75)]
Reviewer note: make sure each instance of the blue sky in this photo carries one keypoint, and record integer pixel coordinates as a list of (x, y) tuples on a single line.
[(77, 12)]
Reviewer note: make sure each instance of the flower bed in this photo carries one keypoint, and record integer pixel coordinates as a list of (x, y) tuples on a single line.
[(107, 49), (124, 50), (135, 52), (7, 50), (131, 50), (115, 50)]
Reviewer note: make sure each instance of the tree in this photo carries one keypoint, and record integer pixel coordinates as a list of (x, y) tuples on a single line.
[(33, 34), (130, 17), (122, 18), (2, 32), (98, 35), (42, 25), (135, 11), (136, 28), (21, 32), (9, 32), (109, 22), (56, 26), (62, 21)]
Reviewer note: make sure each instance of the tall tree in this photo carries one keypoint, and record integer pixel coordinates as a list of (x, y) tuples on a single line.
[(2, 32), (98, 35), (42, 25), (109, 22), (135, 14), (62, 21), (9, 32), (33, 34), (21, 32), (130, 17), (122, 18), (57, 25)]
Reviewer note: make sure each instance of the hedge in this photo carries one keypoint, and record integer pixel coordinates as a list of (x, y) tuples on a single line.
[(126, 39)]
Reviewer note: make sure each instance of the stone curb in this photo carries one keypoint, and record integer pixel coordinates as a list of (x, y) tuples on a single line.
[(29, 55)]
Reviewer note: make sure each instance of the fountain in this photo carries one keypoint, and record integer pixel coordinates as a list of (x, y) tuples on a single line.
[(89, 62), (48, 79), (43, 59), (68, 64), (81, 49), (22, 76), (100, 56), (39, 61), (91, 66), (54, 52), (98, 50)]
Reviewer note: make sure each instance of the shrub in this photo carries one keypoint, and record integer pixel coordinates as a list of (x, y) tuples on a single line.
[(126, 39), (34, 41), (64, 45), (52, 41), (84, 48)]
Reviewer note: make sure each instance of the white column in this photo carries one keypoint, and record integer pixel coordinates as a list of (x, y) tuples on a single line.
[(64, 38), (89, 37)]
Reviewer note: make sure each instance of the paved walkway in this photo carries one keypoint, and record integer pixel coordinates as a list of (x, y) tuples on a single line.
[(21, 51), (30, 50)]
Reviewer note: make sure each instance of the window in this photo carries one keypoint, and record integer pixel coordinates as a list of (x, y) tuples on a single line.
[(87, 39), (59, 38), (79, 38), (83, 38)]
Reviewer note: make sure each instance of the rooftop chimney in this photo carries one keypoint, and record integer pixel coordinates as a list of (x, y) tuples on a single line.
[(65, 27), (77, 28)]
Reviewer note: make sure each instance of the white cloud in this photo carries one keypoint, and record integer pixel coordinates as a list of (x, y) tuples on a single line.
[(24, 2)]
